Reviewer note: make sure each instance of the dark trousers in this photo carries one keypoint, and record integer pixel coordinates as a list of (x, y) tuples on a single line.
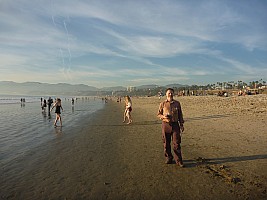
[(171, 133)]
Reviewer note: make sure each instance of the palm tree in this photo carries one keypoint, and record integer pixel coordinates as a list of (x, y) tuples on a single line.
[(256, 83), (250, 84)]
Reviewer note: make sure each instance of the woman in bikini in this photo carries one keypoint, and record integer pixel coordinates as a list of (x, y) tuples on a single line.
[(128, 110), (58, 106)]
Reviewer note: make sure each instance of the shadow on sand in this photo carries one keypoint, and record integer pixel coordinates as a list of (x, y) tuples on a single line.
[(205, 117), (219, 161)]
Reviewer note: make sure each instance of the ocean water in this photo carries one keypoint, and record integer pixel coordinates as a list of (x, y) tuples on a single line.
[(24, 126)]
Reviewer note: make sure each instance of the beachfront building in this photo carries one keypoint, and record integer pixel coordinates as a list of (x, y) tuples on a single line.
[(131, 88)]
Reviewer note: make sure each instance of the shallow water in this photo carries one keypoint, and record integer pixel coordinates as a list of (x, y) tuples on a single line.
[(24, 126)]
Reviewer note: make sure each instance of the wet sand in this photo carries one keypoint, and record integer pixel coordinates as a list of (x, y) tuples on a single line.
[(224, 149)]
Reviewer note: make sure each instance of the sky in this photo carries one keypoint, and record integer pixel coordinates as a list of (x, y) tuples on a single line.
[(105, 43)]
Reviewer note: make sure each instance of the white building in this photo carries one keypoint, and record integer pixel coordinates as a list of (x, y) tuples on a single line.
[(131, 88)]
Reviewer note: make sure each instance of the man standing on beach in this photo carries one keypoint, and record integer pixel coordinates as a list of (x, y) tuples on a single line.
[(170, 113)]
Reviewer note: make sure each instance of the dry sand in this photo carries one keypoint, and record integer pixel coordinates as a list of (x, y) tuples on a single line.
[(224, 147)]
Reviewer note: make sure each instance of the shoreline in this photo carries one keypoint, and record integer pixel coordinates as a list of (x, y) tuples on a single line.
[(25, 128), (107, 159)]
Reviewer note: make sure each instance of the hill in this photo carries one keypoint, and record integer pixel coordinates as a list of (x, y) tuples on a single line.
[(36, 88)]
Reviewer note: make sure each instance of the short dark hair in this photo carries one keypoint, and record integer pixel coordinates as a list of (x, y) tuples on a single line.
[(169, 89)]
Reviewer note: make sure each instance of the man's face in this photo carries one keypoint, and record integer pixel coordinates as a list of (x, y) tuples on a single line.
[(169, 94)]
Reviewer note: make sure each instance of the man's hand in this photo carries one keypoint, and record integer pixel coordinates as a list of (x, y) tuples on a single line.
[(165, 118)]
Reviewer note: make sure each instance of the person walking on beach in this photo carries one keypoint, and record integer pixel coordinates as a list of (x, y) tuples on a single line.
[(72, 101), (128, 110), (58, 106), (44, 105), (170, 113), (49, 103)]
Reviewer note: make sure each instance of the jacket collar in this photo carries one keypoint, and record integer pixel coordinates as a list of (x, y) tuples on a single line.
[(169, 101)]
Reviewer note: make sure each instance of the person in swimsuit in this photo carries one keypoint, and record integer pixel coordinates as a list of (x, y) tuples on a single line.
[(58, 106), (128, 110)]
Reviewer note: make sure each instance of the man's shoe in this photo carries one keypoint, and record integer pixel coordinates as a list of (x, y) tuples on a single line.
[(180, 164), (168, 161)]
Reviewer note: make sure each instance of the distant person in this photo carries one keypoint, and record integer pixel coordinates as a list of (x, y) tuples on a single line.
[(44, 105), (22, 102), (41, 101), (49, 103), (170, 113), (128, 110), (72, 101), (58, 106)]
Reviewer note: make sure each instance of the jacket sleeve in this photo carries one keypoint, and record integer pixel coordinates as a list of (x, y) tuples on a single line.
[(160, 111), (180, 115)]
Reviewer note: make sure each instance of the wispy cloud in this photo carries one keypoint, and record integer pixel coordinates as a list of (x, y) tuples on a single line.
[(131, 41)]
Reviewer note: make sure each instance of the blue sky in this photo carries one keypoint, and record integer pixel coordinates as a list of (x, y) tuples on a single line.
[(106, 43)]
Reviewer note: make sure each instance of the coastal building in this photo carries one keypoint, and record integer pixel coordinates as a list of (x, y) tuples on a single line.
[(131, 88)]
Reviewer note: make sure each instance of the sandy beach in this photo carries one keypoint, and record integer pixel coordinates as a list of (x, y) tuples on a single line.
[(224, 149)]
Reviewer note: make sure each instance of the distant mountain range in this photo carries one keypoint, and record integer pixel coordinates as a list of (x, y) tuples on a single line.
[(36, 88)]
